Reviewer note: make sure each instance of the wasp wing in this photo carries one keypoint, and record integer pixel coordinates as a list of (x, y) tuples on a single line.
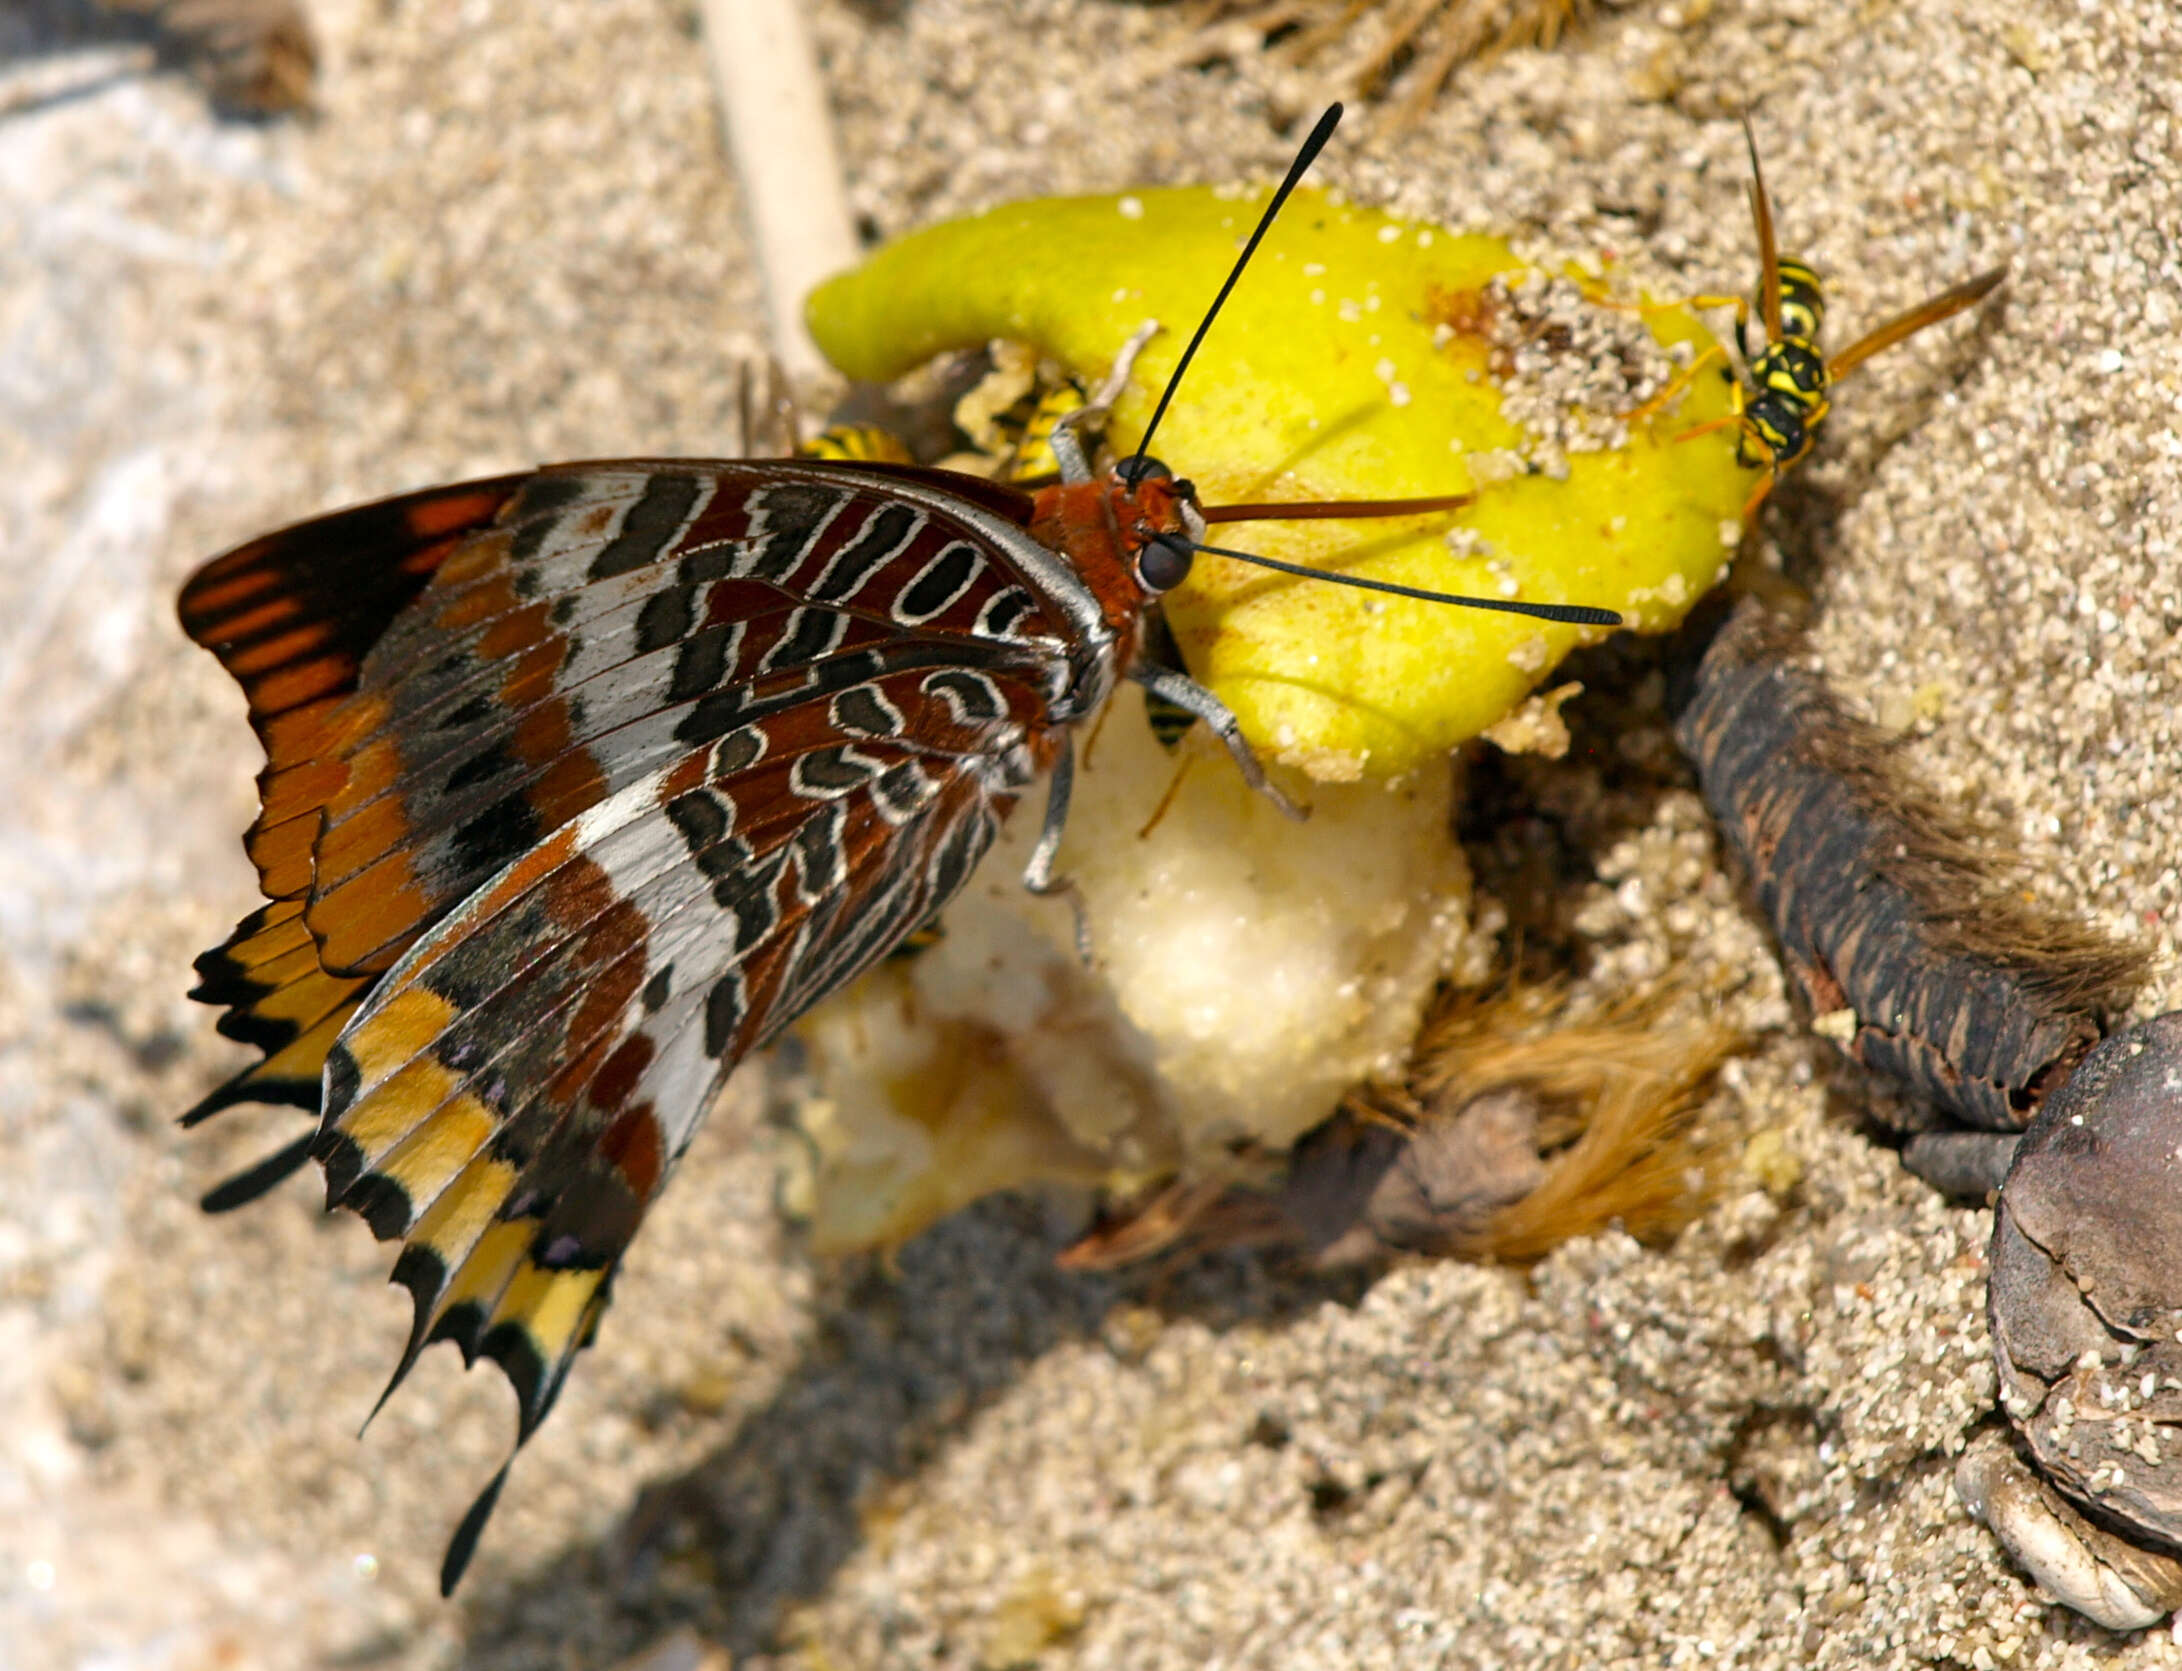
[(1945, 305)]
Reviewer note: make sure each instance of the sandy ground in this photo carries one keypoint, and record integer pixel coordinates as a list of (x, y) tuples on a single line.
[(512, 237)]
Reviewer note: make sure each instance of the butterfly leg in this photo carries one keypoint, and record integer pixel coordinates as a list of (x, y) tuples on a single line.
[(768, 421), (1038, 874), (1067, 445), (1191, 697)]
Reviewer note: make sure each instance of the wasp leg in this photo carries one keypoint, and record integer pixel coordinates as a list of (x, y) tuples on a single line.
[(1688, 374), (1741, 304), (1709, 426), (1758, 493), (1677, 386)]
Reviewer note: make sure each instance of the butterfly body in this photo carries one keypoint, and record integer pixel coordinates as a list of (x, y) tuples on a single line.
[(582, 785)]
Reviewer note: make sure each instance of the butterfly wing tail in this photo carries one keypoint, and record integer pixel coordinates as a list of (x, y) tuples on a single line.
[(267, 977)]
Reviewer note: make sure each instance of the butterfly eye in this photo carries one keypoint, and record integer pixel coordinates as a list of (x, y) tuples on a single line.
[(1139, 468), (1164, 563)]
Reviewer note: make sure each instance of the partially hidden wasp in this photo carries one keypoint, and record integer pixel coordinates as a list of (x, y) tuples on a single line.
[(856, 444), (1783, 395)]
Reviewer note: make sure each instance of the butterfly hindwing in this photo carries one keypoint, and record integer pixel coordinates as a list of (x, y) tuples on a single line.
[(615, 771), (514, 1094), (267, 976)]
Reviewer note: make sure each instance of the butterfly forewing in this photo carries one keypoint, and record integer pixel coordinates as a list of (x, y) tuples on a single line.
[(457, 766)]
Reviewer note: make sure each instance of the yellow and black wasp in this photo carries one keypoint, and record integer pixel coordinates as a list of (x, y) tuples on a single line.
[(1784, 394), (1021, 436), (1032, 459)]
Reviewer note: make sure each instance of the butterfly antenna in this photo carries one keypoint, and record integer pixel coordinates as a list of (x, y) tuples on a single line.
[(1567, 614), (1132, 470)]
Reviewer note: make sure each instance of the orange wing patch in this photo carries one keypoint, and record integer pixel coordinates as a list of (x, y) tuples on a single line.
[(292, 615)]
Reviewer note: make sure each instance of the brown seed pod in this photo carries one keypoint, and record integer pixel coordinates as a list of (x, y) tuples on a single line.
[(1898, 924)]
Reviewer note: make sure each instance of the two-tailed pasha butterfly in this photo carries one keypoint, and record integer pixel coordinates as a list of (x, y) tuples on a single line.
[(582, 784)]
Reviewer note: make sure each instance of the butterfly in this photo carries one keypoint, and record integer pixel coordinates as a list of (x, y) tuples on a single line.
[(584, 783)]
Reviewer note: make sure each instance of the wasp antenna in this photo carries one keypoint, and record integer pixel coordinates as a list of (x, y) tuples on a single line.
[(1567, 614), (1132, 470)]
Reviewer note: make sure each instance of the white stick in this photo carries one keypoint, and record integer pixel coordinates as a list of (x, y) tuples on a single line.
[(781, 139)]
